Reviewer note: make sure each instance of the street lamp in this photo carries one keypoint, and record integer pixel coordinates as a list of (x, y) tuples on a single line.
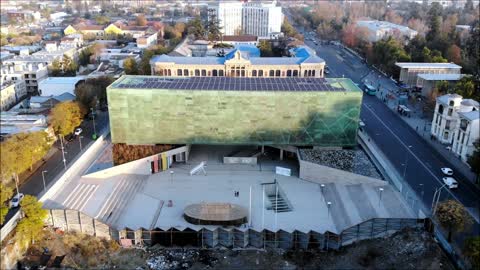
[(43, 177), (406, 163), (94, 129), (80, 141), (63, 153), (436, 198), (171, 176), (329, 204), (380, 197)]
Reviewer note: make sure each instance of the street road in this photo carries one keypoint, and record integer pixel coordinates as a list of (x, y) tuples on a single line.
[(54, 165)]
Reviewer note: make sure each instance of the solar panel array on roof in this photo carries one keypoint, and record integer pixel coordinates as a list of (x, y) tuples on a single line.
[(228, 83)]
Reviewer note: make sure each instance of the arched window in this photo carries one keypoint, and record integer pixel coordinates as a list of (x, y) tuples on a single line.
[(197, 72), (260, 73), (243, 73), (220, 73), (295, 73), (204, 73), (179, 72), (289, 73), (277, 73), (305, 73), (214, 73), (169, 72), (440, 109), (254, 73), (271, 73), (185, 72)]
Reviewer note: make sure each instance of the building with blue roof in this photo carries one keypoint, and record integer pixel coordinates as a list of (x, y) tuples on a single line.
[(243, 61)]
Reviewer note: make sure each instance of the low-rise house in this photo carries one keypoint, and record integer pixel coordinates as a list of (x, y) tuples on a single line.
[(240, 40), (427, 82), (14, 122), (409, 70), (456, 123), (24, 15), (467, 130), (147, 40), (73, 40), (55, 86)]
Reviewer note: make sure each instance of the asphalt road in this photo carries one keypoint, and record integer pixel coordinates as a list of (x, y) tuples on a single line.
[(54, 165), (411, 156)]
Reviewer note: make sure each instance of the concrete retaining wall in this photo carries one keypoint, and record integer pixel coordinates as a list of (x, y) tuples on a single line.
[(73, 220), (140, 166)]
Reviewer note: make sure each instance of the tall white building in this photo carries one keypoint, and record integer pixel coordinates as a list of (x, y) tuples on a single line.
[(248, 18)]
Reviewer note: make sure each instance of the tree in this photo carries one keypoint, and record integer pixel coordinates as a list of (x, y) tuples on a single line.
[(287, 28), (102, 20), (56, 68), (453, 217), (454, 54), (6, 192), (93, 92), (31, 226), (471, 250), (196, 28), (474, 160), (130, 66), (434, 21), (66, 116), (141, 20), (468, 88), (213, 28), (266, 49), (19, 152)]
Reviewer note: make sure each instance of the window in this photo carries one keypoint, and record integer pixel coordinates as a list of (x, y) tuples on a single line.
[(169, 72), (277, 73), (463, 124), (197, 72), (440, 109), (214, 73), (243, 73), (220, 73), (260, 73), (271, 73), (179, 72), (254, 73), (295, 73), (185, 72), (204, 73), (289, 73), (450, 111), (451, 103)]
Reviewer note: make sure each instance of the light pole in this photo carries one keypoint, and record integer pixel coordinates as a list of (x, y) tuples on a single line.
[(171, 176), (63, 153), (94, 129), (436, 198), (380, 197), (43, 177), (80, 141), (329, 204), (406, 163), (423, 190)]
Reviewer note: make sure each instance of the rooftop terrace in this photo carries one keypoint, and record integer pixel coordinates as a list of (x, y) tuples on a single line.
[(235, 84)]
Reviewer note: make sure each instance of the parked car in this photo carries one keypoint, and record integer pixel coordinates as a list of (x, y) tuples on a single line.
[(15, 202), (447, 171), (78, 131), (450, 182)]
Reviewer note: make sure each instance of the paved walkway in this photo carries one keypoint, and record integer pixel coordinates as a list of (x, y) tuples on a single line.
[(417, 121)]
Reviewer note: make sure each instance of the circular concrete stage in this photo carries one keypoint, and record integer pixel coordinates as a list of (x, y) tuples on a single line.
[(215, 214)]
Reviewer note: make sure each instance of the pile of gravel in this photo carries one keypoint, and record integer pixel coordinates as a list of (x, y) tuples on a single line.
[(355, 161), (178, 259)]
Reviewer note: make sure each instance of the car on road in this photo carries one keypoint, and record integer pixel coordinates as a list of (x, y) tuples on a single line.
[(78, 131), (450, 182), (15, 202), (447, 171)]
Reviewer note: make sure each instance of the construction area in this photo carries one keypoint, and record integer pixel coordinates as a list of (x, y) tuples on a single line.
[(407, 249), (150, 201)]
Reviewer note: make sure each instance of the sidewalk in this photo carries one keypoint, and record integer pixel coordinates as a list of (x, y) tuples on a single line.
[(420, 124)]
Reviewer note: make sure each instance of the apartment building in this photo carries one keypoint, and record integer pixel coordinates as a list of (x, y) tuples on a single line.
[(247, 18), (11, 92), (31, 72)]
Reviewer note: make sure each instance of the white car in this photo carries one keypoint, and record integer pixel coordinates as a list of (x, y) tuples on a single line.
[(450, 182), (15, 202), (78, 131), (447, 171)]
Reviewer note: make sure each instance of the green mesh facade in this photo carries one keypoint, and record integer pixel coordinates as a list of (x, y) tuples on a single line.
[(162, 116)]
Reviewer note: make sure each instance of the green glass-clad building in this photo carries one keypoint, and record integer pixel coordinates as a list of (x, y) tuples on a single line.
[(226, 110)]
